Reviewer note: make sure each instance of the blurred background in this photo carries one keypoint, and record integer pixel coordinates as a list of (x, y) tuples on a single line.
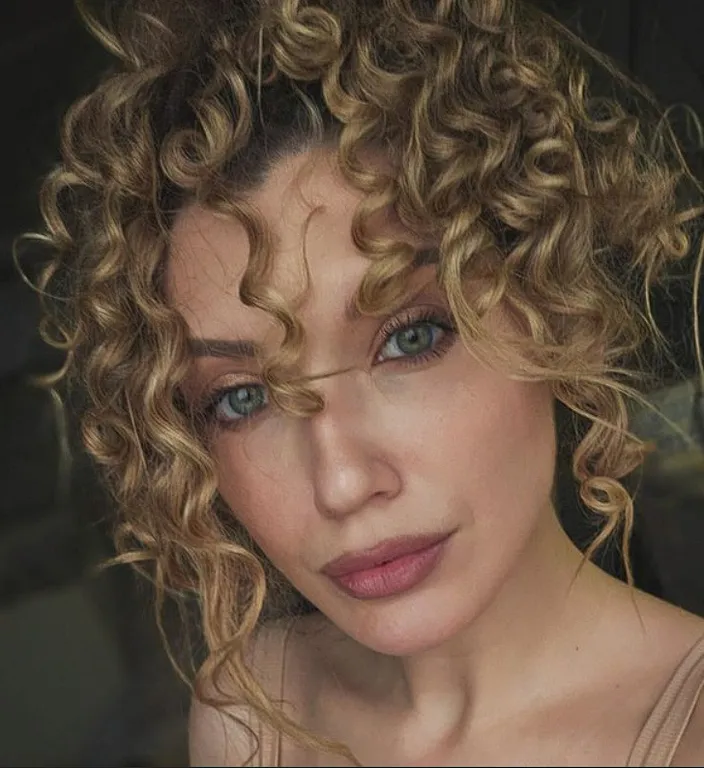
[(83, 676)]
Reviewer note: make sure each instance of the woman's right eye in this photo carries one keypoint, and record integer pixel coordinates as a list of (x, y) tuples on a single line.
[(236, 404)]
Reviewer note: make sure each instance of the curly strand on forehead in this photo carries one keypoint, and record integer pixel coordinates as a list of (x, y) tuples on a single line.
[(556, 203)]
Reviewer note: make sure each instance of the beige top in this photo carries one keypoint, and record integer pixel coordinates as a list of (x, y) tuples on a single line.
[(656, 743)]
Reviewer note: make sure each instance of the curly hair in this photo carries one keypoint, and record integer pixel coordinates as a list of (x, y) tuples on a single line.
[(567, 207)]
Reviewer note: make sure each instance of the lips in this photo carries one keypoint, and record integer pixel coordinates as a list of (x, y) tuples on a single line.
[(385, 552)]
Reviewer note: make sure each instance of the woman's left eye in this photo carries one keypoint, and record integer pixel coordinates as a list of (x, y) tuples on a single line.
[(418, 339)]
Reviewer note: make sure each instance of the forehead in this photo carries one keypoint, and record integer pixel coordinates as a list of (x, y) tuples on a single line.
[(206, 243), (307, 209)]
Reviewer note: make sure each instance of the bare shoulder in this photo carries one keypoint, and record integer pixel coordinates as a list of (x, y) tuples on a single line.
[(678, 647), (228, 736), (219, 737), (690, 706)]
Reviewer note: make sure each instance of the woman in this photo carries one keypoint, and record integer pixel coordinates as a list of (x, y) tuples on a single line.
[(338, 277)]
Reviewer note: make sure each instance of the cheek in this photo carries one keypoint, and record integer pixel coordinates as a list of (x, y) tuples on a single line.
[(509, 460), (262, 494), (487, 444), (467, 427)]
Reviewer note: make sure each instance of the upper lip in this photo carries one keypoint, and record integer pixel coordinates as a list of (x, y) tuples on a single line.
[(383, 552)]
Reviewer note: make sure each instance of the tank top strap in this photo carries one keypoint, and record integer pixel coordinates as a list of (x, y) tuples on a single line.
[(271, 661), (663, 730)]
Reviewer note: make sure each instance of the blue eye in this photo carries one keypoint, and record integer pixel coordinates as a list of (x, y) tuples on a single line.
[(239, 402), (416, 339), (412, 340)]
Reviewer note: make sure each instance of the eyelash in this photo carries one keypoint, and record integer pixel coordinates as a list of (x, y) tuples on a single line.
[(403, 321)]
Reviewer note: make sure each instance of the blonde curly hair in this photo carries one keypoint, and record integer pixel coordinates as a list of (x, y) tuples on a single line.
[(566, 206)]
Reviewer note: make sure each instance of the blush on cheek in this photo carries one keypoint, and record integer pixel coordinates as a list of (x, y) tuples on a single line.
[(515, 445), (262, 499)]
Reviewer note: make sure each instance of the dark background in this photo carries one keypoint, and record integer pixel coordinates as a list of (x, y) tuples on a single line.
[(83, 680)]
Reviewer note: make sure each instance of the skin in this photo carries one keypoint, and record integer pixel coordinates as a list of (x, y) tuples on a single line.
[(509, 628)]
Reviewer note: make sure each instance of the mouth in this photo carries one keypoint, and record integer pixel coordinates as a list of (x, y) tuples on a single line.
[(391, 567)]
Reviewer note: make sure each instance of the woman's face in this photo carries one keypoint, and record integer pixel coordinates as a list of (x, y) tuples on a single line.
[(417, 437)]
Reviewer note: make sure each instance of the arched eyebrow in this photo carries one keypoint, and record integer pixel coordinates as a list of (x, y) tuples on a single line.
[(236, 349), (246, 349)]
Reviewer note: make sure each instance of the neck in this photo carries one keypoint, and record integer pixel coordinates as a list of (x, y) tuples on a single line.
[(521, 648)]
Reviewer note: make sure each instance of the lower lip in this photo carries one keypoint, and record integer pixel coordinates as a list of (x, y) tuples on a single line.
[(391, 578)]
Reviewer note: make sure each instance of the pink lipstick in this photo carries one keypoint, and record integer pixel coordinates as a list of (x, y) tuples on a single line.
[(389, 568)]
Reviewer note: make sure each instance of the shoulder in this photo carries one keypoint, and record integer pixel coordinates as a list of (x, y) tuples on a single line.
[(219, 737), (675, 726), (229, 735), (688, 706)]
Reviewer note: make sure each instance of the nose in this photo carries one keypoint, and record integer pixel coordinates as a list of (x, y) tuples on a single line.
[(352, 464)]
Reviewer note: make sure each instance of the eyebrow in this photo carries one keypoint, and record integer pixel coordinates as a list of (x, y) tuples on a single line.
[(236, 349), (245, 349)]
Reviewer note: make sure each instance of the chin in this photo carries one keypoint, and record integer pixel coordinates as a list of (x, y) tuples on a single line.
[(403, 626)]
